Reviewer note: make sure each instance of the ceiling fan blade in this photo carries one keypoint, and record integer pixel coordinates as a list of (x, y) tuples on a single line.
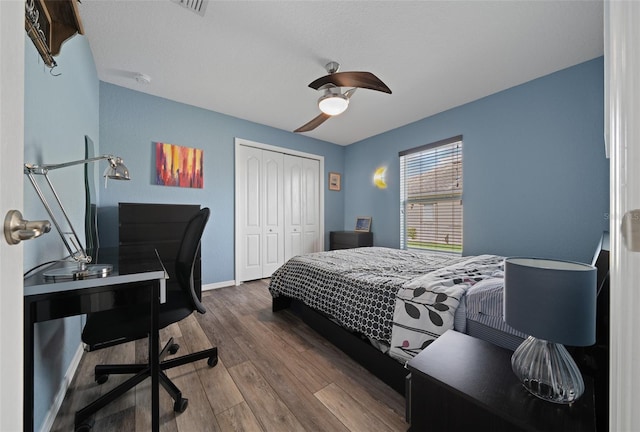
[(351, 79), (349, 93), (321, 118)]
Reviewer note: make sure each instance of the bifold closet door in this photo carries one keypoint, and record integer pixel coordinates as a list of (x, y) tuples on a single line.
[(301, 203), (259, 194), (273, 209)]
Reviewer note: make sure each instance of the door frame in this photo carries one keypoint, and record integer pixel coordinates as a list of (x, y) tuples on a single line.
[(269, 147)]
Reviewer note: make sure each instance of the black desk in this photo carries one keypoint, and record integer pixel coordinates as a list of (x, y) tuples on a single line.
[(46, 300)]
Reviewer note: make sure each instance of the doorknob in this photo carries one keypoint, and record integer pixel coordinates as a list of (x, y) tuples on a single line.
[(630, 230), (17, 229)]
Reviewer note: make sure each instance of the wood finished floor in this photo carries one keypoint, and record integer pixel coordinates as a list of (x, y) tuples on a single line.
[(274, 374)]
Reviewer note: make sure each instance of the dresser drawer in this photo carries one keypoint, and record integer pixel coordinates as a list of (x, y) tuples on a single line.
[(349, 239)]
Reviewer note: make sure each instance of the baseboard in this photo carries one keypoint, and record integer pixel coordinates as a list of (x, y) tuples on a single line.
[(207, 287), (47, 424)]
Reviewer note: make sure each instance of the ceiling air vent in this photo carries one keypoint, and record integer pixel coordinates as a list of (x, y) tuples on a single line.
[(197, 6)]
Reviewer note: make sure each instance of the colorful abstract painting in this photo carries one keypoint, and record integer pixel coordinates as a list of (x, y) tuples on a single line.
[(179, 166)]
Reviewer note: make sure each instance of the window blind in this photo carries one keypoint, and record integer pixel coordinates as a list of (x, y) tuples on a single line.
[(431, 197)]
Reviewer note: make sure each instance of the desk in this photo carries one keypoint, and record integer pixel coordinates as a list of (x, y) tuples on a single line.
[(46, 300)]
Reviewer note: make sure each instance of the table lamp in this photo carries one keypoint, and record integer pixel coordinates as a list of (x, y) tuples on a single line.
[(555, 303), (115, 170)]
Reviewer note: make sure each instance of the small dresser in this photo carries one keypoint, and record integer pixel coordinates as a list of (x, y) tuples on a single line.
[(460, 383), (349, 239)]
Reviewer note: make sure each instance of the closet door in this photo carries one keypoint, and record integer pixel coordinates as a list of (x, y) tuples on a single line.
[(311, 206), (260, 206), (278, 209), (293, 214), (302, 206), (273, 210), (249, 188)]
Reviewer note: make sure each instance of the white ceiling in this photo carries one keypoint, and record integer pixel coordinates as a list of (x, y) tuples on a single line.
[(255, 59)]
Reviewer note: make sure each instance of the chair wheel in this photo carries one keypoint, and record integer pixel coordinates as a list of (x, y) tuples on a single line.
[(101, 379), (181, 405), (212, 361), (174, 348), (85, 427)]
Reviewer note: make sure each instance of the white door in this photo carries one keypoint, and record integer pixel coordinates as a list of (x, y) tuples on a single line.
[(12, 38), (622, 132), (279, 207), (302, 205), (259, 207), (249, 213), (311, 206), (273, 208), (293, 214)]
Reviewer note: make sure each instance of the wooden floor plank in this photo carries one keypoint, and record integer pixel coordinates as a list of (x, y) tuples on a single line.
[(238, 418), (291, 390), (277, 348), (199, 415), (348, 374), (221, 391), (349, 411), (264, 402)]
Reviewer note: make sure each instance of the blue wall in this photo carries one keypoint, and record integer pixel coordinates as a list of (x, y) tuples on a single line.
[(131, 121), (59, 111), (536, 180)]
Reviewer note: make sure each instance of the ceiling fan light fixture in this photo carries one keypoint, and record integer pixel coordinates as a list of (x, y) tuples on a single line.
[(333, 104)]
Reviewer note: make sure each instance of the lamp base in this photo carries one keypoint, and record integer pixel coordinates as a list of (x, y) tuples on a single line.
[(81, 271), (547, 371)]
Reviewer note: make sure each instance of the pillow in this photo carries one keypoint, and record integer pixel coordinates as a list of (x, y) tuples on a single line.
[(485, 298)]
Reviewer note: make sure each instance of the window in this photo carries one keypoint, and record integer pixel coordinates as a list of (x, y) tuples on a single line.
[(431, 197)]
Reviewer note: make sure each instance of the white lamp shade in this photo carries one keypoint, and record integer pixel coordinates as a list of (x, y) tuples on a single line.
[(333, 104)]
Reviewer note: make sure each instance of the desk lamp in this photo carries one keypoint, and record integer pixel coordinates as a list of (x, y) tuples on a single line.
[(555, 303), (117, 171)]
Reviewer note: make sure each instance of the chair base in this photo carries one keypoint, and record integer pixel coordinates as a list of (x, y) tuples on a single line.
[(142, 371)]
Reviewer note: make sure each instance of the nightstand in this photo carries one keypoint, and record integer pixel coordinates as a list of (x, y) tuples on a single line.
[(349, 239), (461, 383)]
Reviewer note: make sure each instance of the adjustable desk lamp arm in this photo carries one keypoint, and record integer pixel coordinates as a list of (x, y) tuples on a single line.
[(116, 170)]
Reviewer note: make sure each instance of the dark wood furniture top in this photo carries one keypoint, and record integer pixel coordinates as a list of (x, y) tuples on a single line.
[(349, 239), (463, 383)]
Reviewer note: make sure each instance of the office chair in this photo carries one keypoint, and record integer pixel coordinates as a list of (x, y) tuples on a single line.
[(111, 327)]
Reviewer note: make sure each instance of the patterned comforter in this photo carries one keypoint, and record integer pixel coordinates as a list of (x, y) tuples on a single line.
[(425, 307), (356, 287)]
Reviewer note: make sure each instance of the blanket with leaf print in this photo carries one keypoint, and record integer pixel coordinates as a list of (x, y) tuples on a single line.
[(425, 306)]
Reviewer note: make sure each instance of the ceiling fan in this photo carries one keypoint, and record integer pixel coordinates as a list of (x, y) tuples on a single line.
[(334, 102)]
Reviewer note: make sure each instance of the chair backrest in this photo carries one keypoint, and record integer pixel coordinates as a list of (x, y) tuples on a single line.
[(187, 254)]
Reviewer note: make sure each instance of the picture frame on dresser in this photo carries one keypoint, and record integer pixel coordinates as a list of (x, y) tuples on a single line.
[(363, 224)]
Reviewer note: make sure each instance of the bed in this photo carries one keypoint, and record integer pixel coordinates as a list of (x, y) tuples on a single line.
[(391, 302), (382, 306)]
